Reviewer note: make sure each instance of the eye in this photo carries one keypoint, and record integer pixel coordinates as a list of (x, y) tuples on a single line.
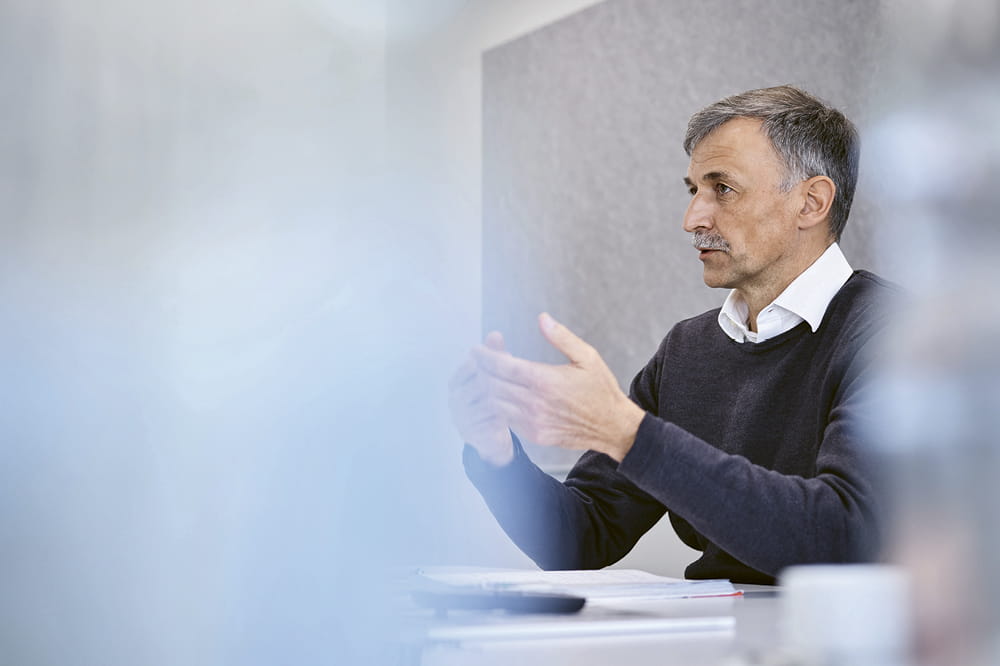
[(692, 190), (722, 189)]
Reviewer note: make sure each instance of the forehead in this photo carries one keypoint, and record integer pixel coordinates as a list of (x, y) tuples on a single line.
[(737, 146)]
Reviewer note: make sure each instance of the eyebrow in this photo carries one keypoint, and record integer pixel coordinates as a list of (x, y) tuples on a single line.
[(712, 177)]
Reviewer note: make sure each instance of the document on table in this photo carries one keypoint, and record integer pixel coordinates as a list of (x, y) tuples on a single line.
[(603, 584), (620, 602)]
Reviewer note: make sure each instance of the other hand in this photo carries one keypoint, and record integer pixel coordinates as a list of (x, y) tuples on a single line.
[(473, 414)]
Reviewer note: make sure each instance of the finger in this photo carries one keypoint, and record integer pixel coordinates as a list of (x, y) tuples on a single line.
[(463, 374), (511, 413), (477, 395), (485, 421), (470, 417), (494, 340), (470, 394), (563, 339), (509, 391), (504, 366)]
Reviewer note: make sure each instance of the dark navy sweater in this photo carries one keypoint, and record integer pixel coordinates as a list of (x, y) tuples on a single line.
[(754, 449)]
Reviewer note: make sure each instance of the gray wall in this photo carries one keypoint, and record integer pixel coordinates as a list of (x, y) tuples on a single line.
[(582, 158)]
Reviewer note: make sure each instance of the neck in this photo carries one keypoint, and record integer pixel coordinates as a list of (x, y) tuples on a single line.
[(759, 296), (755, 306)]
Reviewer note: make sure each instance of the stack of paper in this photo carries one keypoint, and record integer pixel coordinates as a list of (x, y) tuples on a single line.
[(604, 584)]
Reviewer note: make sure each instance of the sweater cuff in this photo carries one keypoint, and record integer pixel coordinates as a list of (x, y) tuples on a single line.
[(647, 449), (481, 472)]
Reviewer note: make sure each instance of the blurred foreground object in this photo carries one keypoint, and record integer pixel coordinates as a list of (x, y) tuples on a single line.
[(937, 148), (846, 614)]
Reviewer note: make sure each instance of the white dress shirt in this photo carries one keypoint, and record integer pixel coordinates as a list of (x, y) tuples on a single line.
[(805, 299)]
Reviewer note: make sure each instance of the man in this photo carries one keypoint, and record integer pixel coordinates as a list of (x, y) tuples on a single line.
[(743, 424)]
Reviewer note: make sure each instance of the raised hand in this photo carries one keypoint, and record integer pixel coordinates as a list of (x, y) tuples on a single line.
[(578, 405)]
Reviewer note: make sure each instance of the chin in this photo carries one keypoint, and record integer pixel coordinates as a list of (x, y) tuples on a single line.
[(715, 281)]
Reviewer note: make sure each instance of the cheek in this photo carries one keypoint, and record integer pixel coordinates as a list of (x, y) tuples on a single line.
[(740, 229), (766, 228)]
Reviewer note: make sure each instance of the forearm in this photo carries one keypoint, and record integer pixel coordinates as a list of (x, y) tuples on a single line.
[(534, 509), (589, 522), (763, 518)]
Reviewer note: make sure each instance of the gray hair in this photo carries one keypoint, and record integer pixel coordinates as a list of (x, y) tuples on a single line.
[(811, 138)]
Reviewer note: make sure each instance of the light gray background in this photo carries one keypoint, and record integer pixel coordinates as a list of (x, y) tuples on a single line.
[(582, 159)]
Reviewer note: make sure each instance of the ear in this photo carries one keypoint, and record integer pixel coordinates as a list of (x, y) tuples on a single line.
[(818, 197)]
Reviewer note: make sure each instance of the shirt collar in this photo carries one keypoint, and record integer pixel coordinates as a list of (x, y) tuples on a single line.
[(733, 317), (808, 295)]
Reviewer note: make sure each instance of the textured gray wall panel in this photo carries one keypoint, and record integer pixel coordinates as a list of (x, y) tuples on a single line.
[(583, 123)]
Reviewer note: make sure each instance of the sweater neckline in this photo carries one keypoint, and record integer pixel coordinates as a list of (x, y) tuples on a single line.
[(796, 331), (800, 329)]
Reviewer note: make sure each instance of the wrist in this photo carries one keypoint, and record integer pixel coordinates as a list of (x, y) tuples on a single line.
[(498, 454), (629, 417)]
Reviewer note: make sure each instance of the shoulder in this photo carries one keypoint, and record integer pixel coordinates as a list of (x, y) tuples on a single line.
[(866, 298), (684, 340), (706, 321), (858, 320), (700, 331), (865, 285), (866, 281)]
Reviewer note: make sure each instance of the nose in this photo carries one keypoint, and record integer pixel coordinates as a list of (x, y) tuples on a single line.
[(698, 214)]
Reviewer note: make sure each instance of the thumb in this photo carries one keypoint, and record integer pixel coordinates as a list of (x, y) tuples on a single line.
[(563, 339), (494, 340)]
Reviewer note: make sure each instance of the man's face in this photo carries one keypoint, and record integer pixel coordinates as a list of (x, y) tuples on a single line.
[(743, 224)]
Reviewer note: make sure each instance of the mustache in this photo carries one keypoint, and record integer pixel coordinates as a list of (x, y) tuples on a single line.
[(704, 240)]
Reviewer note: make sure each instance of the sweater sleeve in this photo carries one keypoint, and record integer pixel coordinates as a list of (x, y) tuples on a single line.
[(760, 517), (591, 520)]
